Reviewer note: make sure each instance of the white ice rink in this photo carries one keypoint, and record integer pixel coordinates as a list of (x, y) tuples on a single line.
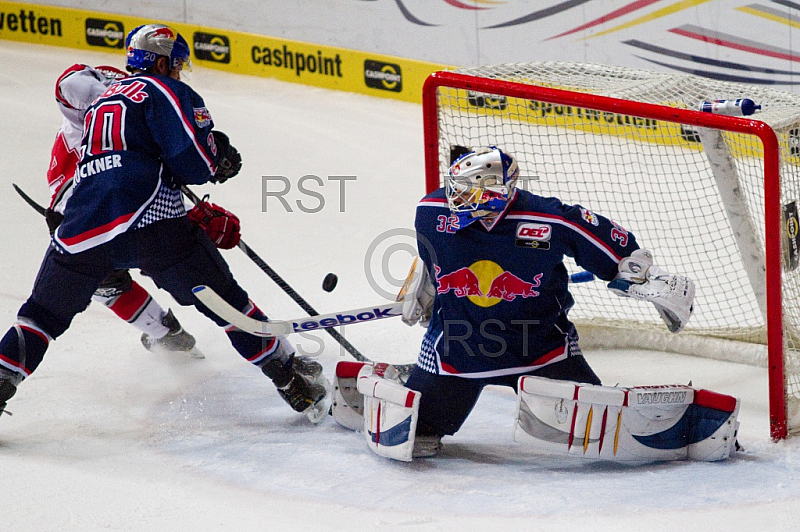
[(105, 435)]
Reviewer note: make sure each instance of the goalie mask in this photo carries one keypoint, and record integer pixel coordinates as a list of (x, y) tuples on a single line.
[(147, 42), (480, 185)]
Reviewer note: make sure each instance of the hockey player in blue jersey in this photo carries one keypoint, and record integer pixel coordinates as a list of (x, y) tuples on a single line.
[(145, 137), (492, 289), (76, 89)]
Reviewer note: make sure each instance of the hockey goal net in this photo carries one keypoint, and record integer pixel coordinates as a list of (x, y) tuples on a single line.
[(714, 197)]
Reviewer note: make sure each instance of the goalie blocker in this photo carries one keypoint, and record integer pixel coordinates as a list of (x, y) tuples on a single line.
[(640, 424)]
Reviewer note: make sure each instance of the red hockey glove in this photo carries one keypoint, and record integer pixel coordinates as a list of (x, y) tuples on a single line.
[(221, 225)]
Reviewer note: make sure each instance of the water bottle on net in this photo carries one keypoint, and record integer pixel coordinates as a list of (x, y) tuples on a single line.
[(740, 107)]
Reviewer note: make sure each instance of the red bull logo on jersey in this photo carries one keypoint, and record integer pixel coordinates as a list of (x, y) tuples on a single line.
[(202, 117), (508, 286), (463, 282), (485, 283), (589, 217)]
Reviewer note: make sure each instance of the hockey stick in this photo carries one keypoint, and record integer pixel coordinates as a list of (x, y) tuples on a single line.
[(224, 310), (272, 274), (38, 208), (581, 277)]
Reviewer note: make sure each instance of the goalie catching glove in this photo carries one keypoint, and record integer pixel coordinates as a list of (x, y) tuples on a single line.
[(229, 162), (672, 295), (220, 225)]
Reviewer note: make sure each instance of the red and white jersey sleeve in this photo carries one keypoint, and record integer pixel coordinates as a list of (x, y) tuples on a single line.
[(64, 158), (76, 89)]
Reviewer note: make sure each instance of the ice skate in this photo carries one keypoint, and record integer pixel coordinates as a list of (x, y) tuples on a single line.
[(176, 340), (426, 446), (8, 387), (307, 366), (302, 385)]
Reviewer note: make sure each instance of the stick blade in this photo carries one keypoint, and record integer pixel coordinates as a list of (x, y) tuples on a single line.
[(224, 310)]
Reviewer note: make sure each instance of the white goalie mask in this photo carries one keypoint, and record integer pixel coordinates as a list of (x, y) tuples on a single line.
[(480, 184)]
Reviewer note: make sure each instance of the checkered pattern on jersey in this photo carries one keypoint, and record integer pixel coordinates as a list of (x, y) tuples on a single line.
[(168, 204), (427, 354), (573, 349)]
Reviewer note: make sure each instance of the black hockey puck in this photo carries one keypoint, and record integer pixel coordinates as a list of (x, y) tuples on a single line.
[(329, 283)]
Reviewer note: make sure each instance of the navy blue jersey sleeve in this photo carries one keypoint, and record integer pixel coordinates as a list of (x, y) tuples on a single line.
[(597, 243), (185, 140)]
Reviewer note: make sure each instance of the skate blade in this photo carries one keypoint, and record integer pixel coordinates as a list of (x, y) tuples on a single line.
[(161, 350), (317, 412)]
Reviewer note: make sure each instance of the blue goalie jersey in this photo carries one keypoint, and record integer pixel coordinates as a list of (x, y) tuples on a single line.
[(143, 138), (501, 299)]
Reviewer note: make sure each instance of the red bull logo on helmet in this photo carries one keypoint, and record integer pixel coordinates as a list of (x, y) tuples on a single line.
[(485, 283), (164, 32)]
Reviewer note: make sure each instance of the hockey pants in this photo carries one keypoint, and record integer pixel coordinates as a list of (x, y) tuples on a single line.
[(174, 253), (447, 401)]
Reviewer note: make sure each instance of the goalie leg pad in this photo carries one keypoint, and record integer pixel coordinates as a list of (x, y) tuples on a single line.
[(714, 426), (390, 414), (347, 406), (640, 424), (371, 399)]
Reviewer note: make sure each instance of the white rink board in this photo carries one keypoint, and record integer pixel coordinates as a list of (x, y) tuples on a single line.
[(759, 40)]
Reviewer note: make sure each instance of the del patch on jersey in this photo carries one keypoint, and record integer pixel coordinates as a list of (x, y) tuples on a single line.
[(533, 235)]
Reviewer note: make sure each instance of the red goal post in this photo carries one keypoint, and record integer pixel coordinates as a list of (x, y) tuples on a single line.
[(459, 92)]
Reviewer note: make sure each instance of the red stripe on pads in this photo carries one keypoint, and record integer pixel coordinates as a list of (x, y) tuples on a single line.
[(717, 401), (347, 369)]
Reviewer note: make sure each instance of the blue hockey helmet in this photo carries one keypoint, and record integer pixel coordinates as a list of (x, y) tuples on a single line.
[(481, 183), (147, 42)]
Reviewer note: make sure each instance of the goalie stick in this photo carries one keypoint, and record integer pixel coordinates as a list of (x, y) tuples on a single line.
[(221, 308), (272, 274)]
